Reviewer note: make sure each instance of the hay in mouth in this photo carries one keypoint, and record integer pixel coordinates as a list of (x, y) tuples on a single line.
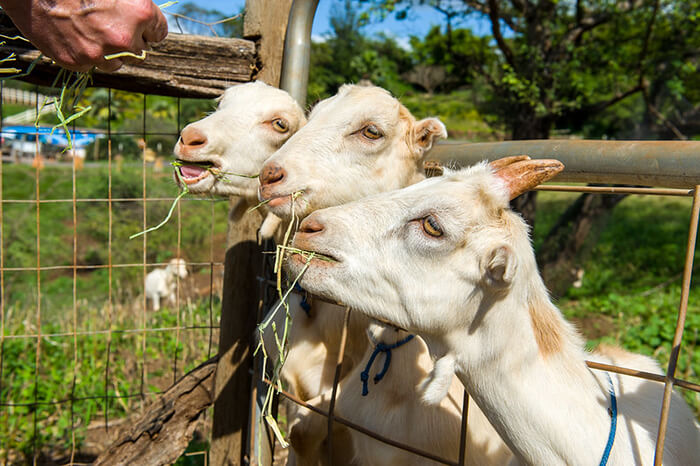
[(308, 255)]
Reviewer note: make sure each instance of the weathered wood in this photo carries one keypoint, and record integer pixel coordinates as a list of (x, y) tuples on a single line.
[(161, 434), (236, 343), (182, 65), (266, 24)]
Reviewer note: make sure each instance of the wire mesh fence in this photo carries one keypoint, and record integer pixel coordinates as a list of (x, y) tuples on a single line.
[(80, 344), (687, 382)]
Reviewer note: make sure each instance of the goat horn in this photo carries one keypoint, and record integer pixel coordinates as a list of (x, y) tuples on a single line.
[(499, 164), (524, 175), (433, 168)]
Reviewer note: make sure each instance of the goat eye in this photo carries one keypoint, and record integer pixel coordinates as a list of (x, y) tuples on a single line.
[(431, 226), (280, 125), (371, 132)]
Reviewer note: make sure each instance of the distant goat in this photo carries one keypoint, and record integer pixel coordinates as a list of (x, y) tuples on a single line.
[(448, 260), (162, 282)]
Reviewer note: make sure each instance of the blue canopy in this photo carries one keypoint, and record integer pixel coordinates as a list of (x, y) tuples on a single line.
[(50, 135)]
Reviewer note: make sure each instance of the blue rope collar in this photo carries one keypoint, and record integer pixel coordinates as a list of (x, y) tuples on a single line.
[(380, 348), (305, 305), (613, 422)]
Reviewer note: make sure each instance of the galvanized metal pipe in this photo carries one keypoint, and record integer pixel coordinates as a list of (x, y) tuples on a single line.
[(297, 49), (673, 164)]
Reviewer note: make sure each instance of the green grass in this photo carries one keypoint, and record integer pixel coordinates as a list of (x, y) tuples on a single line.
[(456, 111), (117, 368), (630, 293)]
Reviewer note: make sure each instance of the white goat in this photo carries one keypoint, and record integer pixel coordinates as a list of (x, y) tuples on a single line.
[(449, 260), (359, 142), (162, 282), (229, 146), (393, 409)]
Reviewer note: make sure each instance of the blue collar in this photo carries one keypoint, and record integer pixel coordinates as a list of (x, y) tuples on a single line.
[(613, 422), (380, 348), (305, 305)]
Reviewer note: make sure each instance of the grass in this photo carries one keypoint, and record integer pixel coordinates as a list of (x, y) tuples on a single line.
[(457, 112), (630, 292), (112, 367)]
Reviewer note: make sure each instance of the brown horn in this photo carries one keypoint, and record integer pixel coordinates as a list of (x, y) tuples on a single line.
[(433, 168), (525, 175), (498, 164)]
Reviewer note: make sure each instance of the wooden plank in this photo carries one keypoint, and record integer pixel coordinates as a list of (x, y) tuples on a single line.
[(238, 320), (266, 24), (182, 65)]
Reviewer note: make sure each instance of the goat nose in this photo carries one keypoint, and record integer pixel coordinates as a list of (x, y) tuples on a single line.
[(271, 173), (311, 225), (192, 138)]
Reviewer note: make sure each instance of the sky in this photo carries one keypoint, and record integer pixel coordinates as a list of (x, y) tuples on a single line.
[(418, 23)]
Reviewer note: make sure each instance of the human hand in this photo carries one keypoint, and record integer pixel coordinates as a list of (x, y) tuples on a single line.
[(78, 34)]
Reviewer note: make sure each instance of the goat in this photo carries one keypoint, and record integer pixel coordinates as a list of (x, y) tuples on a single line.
[(393, 409), (222, 153), (162, 282), (359, 142), (448, 259)]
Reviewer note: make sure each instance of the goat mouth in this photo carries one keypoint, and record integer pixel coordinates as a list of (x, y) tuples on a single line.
[(304, 257), (192, 172), (279, 200)]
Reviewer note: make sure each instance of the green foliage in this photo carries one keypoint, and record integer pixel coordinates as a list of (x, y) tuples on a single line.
[(42, 417), (555, 65), (458, 51), (205, 19), (630, 291), (348, 56)]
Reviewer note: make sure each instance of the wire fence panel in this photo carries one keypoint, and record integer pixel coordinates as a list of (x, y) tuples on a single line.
[(688, 383), (81, 346)]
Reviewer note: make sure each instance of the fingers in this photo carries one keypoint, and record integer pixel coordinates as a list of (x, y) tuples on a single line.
[(157, 28), (109, 66)]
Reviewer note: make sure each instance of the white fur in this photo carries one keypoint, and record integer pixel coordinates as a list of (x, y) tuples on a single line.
[(162, 282), (331, 162), (475, 294), (239, 137), (394, 409)]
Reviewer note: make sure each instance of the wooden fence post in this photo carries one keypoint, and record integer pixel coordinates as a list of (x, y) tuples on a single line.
[(266, 23)]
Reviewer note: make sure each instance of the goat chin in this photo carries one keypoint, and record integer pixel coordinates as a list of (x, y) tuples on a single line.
[(269, 226), (435, 387)]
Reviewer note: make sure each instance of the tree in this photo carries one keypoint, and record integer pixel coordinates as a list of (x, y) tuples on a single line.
[(560, 64), (194, 19), (348, 56)]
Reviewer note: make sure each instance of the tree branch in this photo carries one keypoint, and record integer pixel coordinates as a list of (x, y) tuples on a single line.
[(665, 121), (602, 105), (496, 31)]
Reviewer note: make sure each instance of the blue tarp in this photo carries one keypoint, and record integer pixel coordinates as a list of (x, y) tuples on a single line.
[(50, 135)]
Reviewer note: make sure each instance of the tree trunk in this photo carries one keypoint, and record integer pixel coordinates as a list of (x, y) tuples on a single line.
[(528, 126), (561, 251), (578, 226)]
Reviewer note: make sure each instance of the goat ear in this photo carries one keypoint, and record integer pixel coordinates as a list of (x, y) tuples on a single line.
[(500, 266), (426, 132), (524, 175)]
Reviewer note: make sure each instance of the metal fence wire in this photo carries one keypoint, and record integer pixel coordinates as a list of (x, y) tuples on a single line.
[(81, 347), (670, 380)]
